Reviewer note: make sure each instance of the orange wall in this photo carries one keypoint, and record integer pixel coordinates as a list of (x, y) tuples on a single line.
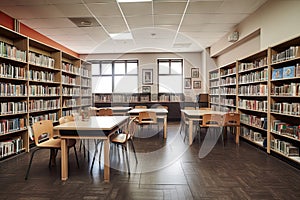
[(8, 22)]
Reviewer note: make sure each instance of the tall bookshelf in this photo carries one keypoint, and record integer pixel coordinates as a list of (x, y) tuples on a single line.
[(35, 82), (214, 90), (14, 93), (228, 87)]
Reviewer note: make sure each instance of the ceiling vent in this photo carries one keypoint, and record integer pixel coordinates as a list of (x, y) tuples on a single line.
[(85, 22)]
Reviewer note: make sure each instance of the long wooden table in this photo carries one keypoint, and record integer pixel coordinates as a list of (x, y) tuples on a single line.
[(97, 127), (160, 112), (196, 115)]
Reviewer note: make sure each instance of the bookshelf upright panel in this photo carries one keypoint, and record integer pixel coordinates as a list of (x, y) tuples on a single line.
[(214, 90), (86, 84)]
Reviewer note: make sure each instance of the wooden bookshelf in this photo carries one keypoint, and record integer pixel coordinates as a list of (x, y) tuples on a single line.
[(214, 89)]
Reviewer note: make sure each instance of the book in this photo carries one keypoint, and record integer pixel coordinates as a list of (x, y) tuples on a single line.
[(277, 73), (289, 72)]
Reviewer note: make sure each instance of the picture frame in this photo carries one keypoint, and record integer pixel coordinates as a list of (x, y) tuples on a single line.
[(146, 89), (195, 72), (187, 83), (147, 76), (196, 84)]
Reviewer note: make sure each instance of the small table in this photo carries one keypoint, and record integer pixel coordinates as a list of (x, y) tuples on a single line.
[(97, 127), (196, 115), (160, 112)]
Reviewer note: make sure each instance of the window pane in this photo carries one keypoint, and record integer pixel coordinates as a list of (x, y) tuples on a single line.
[(132, 68), (102, 84), (163, 67), (119, 68), (126, 84), (106, 68), (176, 68), (95, 69), (174, 86)]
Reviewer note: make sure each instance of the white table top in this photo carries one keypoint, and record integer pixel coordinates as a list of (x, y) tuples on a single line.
[(94, 123), (198, 113), (157, 110)]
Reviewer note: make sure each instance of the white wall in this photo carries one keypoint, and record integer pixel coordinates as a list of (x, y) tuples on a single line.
[(149, 61)]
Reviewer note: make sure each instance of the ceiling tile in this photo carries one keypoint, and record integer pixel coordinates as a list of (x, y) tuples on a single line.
[(104, 9), (74, 10), (140, 21), (22, 2), (112, 20), (46, 23), (207, 27), (168, 7), (167, 19), (204, 7), (135, 9), (240, 6), (61, 31), (116, 29)]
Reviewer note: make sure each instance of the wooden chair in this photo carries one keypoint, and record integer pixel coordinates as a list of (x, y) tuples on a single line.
[(231, 120), (140, 107), (121, 139), (146, 118), (211, 121), (43, 138), (105, 112)]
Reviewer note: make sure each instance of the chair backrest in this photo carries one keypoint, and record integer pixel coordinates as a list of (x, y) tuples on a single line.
[(147, 117), (42, 130), (105, 112), (212, 120), (141, 107), (231, 119), (131, 128), (66, 119)]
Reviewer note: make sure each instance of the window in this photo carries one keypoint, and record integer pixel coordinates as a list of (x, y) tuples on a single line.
[(115, 76), (170, 69)]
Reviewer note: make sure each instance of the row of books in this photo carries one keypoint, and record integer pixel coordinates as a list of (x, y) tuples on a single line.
[(11, 125), (48, 116), (13, 107), (69, 112), (12, 52), (227, 81), (125, 98), (214, 91), (251, 134), (228, 90), (41, 90), (292, 89), (11, 146), (86, 82), (229, 71), (214, 75), (257, 105), (253, 120), (104, 98), (286, 108), (86, 92), (290, 53), (41, 76), (254, 76), (85, 72), (41, 104), (283, 128), (284, 147), (214, 99), (86, 101), (69, 103), (254, 90), (10, 89), (286, 72), (68, 67), (69, 91), (214, 83), (252, 65), (223, 108), (10, 71), (229, 102), (68, 80), (40, 60)]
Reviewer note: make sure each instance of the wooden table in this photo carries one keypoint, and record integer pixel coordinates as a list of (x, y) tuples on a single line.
[(196, 115), (97, 127), (160, 112)]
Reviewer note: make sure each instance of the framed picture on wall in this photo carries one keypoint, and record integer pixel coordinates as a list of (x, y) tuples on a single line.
[(146, 89), (197, 85), (187, 83), (147, 76), (195, 72)]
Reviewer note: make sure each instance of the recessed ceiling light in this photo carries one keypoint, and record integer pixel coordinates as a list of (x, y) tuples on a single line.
[(132, 1), (121, 36)]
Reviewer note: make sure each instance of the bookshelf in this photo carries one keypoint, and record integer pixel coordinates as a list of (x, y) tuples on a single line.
[(36, 80), (228, 87), (252, 97), (14, 93), (214, 90)]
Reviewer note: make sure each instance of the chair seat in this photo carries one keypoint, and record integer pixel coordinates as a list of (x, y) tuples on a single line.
[(119, 138), (51, 143)]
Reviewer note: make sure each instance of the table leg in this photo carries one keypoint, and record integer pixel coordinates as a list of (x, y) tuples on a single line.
[(190, 132), (64, 160), (237, 135), (165, 127), (106, 161)]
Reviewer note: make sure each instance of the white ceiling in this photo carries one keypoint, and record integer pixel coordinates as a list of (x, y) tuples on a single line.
[(160, 25)]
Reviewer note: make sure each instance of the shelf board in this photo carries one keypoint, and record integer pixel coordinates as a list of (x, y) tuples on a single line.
[(258, 143), (284, 96), (44, 110), (13, 60), (252, 110), (12, 132), (256, 127), (293, 158), (276, 113), (286, 136), (286, 79), (12, 79), (42, 67), (223, 76), (44, 82), (71, 73), (12, 114), (254, 82), (253, 69)]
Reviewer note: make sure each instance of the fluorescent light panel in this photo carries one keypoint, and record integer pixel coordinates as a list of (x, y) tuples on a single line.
[(132, 1), (121, 36)]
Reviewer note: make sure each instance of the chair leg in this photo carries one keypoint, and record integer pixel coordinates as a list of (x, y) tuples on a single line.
[(30, 162), (100, 151), (76, 156), (133, 148), (94, 157), (125, 148)]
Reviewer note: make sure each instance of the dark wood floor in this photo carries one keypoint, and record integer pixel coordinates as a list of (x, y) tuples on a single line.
[(166, 170)]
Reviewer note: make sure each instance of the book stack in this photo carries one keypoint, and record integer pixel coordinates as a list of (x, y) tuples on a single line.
[(10, 71), (225, 72), (41, 104), (11, 52), (48, 116), (252, 77), (287, 54), (68, 80), (252, 65), (253, 120), (67, 91), (284, 147), (286, 108), (11, 146), (254, 90), (13, 107), (40, 60), (68, 67), (10, 125), (228, 81), (291, 89), (41, 90), (228, 90), (9, 89), (283, 128), (41, 76), (69, 103)]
